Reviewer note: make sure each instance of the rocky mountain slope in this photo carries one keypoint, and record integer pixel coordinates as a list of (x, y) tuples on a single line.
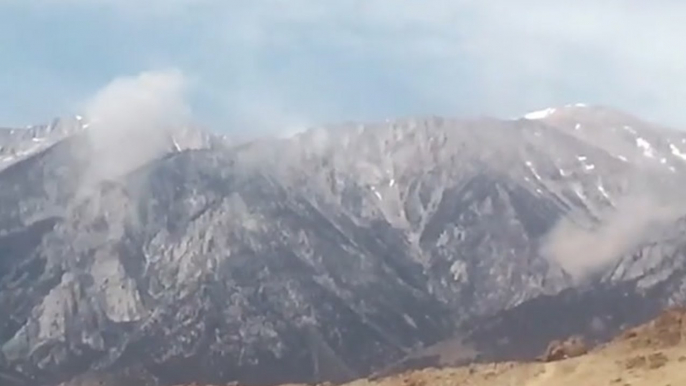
[(331, 254)]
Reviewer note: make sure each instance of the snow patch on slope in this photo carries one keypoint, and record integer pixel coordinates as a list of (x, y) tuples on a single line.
[(676, 152), (541, 114), (646, 147), (531, 167)]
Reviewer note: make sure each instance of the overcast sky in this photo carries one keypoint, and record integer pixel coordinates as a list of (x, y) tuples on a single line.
[(250, 66)]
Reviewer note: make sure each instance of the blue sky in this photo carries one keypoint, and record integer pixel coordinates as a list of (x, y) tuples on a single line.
[(261, 65)]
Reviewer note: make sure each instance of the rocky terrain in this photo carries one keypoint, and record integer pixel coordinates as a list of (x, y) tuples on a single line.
[(337, 253)]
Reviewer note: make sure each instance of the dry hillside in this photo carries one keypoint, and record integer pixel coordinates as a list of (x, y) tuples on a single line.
[(650, 355)]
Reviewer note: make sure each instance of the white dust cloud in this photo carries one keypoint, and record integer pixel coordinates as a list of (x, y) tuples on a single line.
[(582, 251), (131, 119)]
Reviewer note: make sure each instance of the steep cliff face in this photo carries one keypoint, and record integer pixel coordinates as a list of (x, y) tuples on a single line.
[(327, 255)]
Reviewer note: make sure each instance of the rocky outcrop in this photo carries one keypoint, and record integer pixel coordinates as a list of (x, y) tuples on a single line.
[(569, 348)]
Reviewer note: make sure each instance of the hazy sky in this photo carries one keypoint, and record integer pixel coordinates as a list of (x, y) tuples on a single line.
[(278, 65)]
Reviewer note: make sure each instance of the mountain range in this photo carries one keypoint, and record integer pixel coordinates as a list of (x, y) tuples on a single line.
[(159, 256)]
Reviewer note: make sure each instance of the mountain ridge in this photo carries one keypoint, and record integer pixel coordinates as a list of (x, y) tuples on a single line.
[(296, 254)]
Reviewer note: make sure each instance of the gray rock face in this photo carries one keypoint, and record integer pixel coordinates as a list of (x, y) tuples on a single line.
[(19, 144), (326, 255)]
